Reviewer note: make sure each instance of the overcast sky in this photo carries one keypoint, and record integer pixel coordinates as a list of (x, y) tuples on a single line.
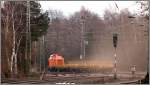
[(69, 7)]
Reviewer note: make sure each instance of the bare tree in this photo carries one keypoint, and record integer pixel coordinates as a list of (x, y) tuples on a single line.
[(14, 22)]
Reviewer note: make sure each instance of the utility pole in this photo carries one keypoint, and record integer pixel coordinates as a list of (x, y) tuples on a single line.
[(26, 49), (40, 54), (35, 57), (30, 39), (28, 36), (29, 32), (44, 52), (82, 37)]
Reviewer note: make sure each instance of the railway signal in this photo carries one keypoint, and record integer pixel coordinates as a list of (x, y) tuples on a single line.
[(115, 40)]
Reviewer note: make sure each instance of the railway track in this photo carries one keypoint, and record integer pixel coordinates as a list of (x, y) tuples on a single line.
[(76, 78), (55, 80), (83, 78), (23, 81)]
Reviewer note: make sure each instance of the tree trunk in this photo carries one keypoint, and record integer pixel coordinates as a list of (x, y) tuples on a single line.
[(14, 56), (13, 52)]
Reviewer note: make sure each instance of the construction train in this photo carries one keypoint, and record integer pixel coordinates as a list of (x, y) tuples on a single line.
[(56, 64)]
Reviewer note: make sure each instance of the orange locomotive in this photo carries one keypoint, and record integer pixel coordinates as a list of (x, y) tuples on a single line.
[(55, 60)]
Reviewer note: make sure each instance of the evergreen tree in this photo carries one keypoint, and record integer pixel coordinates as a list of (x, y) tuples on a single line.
[(39, 21)]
